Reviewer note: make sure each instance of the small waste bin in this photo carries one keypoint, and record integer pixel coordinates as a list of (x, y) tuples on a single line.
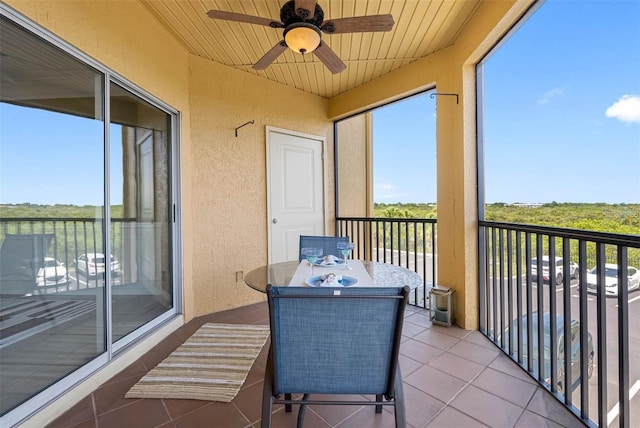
[(442, 305)]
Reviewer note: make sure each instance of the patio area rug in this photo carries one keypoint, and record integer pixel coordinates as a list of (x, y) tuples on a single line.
[(211, 365)]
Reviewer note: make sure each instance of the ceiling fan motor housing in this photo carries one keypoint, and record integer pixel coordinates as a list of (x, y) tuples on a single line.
[(289, 16)]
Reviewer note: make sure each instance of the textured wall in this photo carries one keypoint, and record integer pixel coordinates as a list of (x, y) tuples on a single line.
[(230, 181), (354, 194)]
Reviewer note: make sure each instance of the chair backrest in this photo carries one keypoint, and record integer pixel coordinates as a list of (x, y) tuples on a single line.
[(328, 243), (336, 341)]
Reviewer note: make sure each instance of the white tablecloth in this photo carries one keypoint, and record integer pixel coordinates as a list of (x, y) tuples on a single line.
[(358, 271)]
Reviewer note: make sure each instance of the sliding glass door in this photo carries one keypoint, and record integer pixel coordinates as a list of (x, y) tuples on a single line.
[(140, 211), (86, 224)]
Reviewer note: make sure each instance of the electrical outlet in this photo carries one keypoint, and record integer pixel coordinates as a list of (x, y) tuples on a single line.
[(239, 276)]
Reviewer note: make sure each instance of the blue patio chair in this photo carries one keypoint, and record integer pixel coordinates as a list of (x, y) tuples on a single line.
[(334, 341), (328, 243)]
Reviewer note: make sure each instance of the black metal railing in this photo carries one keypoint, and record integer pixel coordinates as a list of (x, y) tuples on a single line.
[(406, 242), (63, 239), (531, 311), (575, 297)]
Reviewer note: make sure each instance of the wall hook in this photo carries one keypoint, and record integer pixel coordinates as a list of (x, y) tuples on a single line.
[(244, 124), (433, 95)]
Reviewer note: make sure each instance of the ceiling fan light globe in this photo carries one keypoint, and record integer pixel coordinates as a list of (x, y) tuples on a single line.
[(302, 37)]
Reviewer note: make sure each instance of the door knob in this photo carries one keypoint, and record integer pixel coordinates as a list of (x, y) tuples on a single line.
[(274, 221)]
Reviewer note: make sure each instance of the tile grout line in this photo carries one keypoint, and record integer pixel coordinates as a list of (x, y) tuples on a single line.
[(467, 384)]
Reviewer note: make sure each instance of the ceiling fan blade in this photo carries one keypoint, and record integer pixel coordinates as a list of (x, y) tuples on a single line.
[(329, 58), (358, 24), (239, 17), (270, 56), (305, 9)]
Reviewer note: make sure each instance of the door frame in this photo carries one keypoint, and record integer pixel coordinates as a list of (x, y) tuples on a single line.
[(323, 140)]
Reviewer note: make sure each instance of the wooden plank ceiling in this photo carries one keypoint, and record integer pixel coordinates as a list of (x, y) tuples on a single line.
[(421, 28)]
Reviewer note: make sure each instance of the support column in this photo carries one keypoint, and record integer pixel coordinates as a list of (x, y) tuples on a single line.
[(457, 242)]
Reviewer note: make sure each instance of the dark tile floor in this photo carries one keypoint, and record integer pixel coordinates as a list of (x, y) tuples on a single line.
[(452, 378)]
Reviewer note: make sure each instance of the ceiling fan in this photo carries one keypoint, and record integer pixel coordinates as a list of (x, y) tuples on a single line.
[(303, 23)]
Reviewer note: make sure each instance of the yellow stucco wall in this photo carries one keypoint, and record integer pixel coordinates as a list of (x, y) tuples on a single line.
[(353, 166), (229, 186)]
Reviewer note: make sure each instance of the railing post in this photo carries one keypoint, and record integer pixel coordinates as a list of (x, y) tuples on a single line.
[(601, 328), (623, 339), (584, 331), (553, 333), (566, 300)]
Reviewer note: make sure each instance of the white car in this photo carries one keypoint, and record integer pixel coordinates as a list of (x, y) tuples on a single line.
[(93, 264), (611, 279), (573, 269), (52, 272)]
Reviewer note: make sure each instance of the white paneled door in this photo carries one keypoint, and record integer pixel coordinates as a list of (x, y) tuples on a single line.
[(295, 190)]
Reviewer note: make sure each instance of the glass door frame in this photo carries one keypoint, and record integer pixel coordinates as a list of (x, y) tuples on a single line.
[(75, 380)]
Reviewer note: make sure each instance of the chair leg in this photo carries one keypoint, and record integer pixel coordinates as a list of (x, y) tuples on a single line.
[(287, 407), (379, 400), (301, 411), (267, 394), (401, 421)]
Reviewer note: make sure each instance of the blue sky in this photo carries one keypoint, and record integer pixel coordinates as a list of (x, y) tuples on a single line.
[(404, 150), (562, 123), (562, 114), (51, 165)]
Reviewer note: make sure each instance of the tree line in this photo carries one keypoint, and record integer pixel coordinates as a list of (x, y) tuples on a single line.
[(599, 217)]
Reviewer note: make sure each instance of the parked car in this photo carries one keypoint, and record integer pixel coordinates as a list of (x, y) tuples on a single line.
[(611, 279), (52, 272), (93, 264), (573, 269), (560, 349)]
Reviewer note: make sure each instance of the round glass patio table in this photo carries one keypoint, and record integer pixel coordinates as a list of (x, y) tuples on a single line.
[(383, 274)]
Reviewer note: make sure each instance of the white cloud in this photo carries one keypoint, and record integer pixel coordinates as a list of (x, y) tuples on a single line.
[(626, 109), (386, 186), (387, 191), (549, 95)]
